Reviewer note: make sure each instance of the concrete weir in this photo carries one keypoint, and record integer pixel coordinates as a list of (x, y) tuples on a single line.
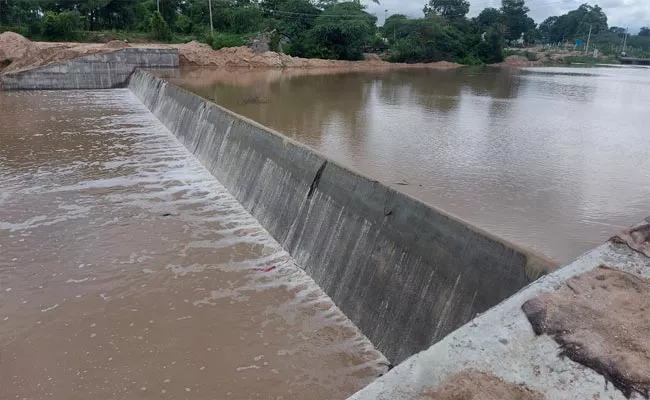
[(94, 71), (405, 273)]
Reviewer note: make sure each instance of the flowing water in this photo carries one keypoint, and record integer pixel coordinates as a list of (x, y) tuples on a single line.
[(128, 272), (555, 160)]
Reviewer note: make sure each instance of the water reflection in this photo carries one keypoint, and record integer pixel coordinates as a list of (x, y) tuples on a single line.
[(552, 159)]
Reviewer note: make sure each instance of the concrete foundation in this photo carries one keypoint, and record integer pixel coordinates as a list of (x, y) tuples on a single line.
[(502, 342), (95, 71), (405, 273)]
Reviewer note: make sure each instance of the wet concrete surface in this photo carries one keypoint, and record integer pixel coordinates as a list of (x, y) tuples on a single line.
[(550, 159), (127, 271)]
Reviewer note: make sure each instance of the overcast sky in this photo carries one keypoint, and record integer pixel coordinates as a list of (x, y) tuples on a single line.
[(632, 13)]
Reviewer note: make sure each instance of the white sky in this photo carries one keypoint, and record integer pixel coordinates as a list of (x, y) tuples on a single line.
[(632, 13)]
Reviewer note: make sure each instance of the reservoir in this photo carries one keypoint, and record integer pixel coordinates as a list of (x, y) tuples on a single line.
[(127, 271), (555, 160)]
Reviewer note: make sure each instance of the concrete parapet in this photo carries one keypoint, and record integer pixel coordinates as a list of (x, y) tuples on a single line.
[(406, 273), (95, 71)]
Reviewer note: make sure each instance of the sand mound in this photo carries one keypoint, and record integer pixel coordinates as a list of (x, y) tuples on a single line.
[(476, 385), (195, 53), (601, 320), (14, 46), (371, 57), (202, 55)]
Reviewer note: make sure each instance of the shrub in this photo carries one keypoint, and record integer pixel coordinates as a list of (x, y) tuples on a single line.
[(61, 25), (220, 40), (158, 27)]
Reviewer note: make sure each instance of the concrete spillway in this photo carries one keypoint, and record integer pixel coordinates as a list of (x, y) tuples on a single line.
[(405, 273)]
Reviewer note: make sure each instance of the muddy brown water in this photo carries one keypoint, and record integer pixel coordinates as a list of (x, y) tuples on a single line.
[(128, 272), (555, 160)]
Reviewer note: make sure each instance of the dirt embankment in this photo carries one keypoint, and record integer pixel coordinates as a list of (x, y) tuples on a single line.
[(548, 56), (20, 53)]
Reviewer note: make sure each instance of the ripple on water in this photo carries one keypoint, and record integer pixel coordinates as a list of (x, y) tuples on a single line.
[(127, 268)]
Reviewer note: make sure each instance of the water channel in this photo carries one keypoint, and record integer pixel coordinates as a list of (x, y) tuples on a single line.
[(555, 160), (128, 272)]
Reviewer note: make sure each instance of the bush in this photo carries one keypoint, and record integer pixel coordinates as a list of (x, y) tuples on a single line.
[(158, 27), (274, 41), (183, 24), (530, 56), (17, 29), (220, 40), (61, 25)]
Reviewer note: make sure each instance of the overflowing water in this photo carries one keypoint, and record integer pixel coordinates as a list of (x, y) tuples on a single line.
[(127, 271), (555, 159)]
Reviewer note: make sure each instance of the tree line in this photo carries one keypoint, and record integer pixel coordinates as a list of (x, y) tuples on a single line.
[(318, 28)]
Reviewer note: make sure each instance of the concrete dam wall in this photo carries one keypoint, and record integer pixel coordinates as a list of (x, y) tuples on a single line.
[(405, 273), (95, 71)]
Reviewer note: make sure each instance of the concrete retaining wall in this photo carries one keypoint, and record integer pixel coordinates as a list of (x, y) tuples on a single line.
[(95, 71), (404, 272)]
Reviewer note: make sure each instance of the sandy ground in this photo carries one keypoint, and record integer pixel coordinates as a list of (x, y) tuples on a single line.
[(476, 385), (25, 54)]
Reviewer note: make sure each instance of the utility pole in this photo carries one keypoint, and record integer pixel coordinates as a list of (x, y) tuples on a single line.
[(588, 40), (158, 5), (625, 40), (211, 26)]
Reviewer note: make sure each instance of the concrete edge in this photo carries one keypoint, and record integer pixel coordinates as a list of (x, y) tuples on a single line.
[(501, 341)]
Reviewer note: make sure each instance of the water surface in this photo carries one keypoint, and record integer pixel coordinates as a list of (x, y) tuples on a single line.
[(128, 272), (555, 160)]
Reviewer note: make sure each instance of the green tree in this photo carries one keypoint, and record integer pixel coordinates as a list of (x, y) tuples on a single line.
[(488, 17), (516, 19), (617, 30), (575, 24), (61, 26), (323, 4), (490, 50), (395, 26), (447, 8), (294, 19), (645, 31), (431, 39), (158, 28), (341, 31)]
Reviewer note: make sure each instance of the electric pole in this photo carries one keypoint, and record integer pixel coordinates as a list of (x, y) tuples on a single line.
[(588, 40), (211, 26), (158, 5)]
